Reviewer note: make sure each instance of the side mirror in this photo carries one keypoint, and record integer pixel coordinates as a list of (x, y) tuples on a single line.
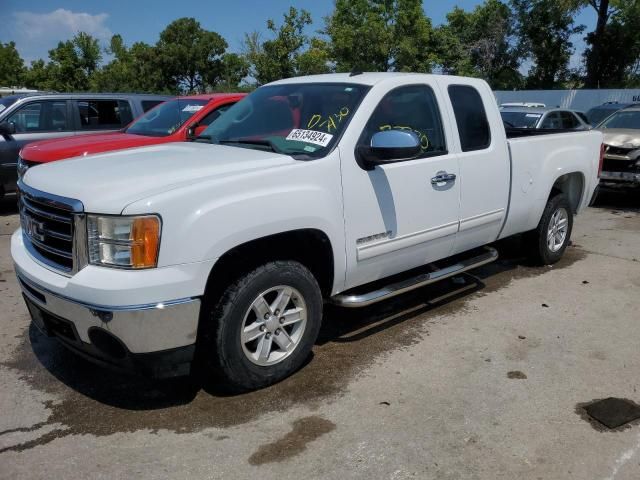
[(7, 130), (390, 146), (191, 131)]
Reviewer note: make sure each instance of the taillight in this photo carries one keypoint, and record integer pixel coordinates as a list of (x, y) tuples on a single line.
[(602, 149)]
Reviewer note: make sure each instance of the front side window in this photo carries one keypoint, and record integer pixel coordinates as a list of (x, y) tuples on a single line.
[(303, 120), (104, 114), (411, 108), (471, 118), (212, 116), (623, 119), (166, 118), (44, 116), (552, 121)]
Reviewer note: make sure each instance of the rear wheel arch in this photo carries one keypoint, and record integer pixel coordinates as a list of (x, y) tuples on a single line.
[(572, 186)]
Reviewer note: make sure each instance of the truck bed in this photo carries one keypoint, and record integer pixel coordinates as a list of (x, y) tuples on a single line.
[(531, 132), (536, 161)]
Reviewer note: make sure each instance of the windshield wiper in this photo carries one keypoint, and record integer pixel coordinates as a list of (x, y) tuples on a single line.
[(248, 141)]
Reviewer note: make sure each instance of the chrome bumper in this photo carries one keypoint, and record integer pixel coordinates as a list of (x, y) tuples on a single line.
[(140, 328), (630, 177)]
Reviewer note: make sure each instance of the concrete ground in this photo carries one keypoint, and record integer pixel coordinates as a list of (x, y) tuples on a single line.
[(481, 380)]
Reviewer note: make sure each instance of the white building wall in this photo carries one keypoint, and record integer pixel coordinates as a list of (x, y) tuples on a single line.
[(575, 99)]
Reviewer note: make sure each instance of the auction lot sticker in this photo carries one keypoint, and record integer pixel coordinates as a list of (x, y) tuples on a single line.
[(310, 136)]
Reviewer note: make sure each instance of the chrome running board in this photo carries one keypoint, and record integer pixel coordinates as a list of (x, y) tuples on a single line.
[(357, 298)]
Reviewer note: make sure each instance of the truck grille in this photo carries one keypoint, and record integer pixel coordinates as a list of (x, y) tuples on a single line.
[(610, 165), (619, 150), (48, 226)]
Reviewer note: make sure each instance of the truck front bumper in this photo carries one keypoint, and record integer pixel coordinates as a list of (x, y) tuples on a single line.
[(155, 337), (621, 177)]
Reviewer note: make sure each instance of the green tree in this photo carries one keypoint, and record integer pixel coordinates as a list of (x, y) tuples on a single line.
[(190, 56), (37, 76), (481, 43), (288, 53), (134, 69), (545, 29), (71, 64), (11, 65), (380, 35), (234, 69), (613, 47)]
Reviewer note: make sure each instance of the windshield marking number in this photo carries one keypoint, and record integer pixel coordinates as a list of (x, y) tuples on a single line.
[(310, 136)]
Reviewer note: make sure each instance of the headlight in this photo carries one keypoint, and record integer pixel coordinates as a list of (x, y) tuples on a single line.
[(22, 168), (124, 241)]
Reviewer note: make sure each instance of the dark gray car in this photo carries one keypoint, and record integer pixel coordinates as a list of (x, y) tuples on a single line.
[(30, 117)]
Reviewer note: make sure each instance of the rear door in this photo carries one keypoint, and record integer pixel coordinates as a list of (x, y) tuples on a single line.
[(481, 149), (97, 115)]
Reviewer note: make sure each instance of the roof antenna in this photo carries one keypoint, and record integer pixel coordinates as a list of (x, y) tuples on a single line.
[(355, 71)]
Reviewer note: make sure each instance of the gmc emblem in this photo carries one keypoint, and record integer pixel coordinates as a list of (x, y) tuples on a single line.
[(32, 227)]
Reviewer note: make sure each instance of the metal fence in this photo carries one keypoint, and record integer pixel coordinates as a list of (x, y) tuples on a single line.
[(575, 99)]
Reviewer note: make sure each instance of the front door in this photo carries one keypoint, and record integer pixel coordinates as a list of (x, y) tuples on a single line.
[(398, 215), (36, 120)]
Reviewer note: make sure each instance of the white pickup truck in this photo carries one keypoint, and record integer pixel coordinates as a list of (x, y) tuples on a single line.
[(220, 252)]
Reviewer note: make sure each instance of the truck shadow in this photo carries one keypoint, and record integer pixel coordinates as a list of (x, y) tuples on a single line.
[(620, 199), (93, 400), (349, 340), (8, 205)]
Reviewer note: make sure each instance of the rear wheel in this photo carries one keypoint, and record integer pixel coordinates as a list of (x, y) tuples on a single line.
[(551, 238), (263, 327)]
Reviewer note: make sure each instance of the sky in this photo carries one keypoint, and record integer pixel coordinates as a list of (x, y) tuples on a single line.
[(36, 26)]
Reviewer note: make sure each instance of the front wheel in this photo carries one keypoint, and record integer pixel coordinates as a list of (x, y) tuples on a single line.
[(551, 238), (263, 327)]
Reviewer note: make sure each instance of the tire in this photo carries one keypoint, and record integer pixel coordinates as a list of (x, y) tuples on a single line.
[(228, 353), (557, 213)]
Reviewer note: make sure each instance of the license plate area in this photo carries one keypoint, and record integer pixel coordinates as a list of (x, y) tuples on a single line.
[(49, 324)]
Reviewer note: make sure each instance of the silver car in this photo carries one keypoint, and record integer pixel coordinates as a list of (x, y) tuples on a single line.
[(39, 116), (546, 118), (621, 131)]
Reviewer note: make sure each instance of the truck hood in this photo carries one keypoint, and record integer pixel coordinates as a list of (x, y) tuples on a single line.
[(82, 145), (108, 182), (621, 137)]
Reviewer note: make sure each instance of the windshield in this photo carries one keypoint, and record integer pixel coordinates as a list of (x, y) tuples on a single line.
[(166, 118), (623, 119), (293, 119), (520, 119), (596, 115)]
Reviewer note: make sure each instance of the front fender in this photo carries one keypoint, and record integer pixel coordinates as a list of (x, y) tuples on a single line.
[(205, 220)]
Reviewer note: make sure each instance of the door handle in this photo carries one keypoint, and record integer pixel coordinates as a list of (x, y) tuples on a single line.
[(442, 177)]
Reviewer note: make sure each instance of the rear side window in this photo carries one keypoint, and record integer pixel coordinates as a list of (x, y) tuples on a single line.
[(409, 108), (149, 104), (104, 114), (44, 116), (569, 120), (471, 118)]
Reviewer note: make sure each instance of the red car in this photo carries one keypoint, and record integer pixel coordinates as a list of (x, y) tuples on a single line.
[(175, 120)]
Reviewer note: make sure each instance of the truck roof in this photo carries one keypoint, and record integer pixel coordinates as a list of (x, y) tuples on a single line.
[(365, 78)]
